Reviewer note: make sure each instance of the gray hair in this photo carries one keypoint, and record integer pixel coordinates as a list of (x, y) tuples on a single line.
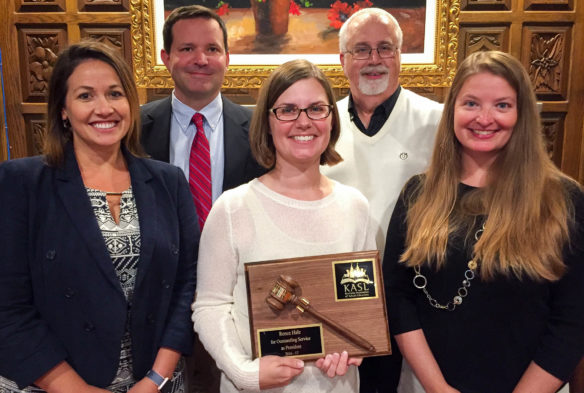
[(377, 13)]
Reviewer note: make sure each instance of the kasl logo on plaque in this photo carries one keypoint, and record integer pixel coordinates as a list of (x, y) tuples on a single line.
[(355, 279)]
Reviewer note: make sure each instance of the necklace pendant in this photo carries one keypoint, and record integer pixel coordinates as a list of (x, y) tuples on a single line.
[(472, 265), (420, 281)]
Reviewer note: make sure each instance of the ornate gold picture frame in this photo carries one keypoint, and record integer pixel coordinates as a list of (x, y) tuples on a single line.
[(434, 67)]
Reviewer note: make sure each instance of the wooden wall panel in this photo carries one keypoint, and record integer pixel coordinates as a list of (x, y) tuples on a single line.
[(549, 5), (475, 38), (485, 5), (546, 56), (553, 131), (115, 36), (40, 5), (36, 126), (103, 5), (38, 49)]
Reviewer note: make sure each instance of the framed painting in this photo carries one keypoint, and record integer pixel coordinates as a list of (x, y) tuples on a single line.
[(261, 38)]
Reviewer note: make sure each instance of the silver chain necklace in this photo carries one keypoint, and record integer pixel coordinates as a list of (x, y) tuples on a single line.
[(420, 281)]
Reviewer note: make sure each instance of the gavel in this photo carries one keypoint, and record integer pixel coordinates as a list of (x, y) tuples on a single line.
[(282, 293)]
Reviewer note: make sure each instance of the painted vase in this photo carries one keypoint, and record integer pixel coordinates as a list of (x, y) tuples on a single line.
[(271, 16)]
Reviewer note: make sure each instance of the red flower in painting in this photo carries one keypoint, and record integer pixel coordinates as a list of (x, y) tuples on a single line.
[(360, 5), (222, 8), (294, 8), (339, 13)]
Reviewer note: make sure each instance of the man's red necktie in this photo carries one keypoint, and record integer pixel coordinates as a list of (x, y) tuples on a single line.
[(200, 171)]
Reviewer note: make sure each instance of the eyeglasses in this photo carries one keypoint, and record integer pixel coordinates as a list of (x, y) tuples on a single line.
[(314, 112), (385, 51)]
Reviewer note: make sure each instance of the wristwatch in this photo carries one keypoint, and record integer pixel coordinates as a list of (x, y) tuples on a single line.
[(158, 379)]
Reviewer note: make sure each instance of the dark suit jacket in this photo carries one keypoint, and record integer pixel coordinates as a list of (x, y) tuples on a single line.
[(60, 298), (240, 166)]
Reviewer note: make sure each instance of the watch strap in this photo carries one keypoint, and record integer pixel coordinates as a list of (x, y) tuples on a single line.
[(158, 379)]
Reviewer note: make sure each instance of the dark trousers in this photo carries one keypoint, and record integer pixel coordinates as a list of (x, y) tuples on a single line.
[(201, 372)]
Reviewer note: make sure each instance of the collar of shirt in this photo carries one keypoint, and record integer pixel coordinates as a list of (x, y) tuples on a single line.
[(184, 113), (379, 117)]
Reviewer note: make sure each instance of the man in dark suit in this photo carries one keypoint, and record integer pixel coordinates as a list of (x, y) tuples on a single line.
[(240, 167), (196, 54)]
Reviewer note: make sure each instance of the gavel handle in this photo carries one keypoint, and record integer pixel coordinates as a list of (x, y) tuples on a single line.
[(355, 338)]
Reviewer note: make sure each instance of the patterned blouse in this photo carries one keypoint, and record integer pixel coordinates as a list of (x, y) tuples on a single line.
[(123, 244)]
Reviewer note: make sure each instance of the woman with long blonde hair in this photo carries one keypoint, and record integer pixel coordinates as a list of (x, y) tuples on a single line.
[(484, 256)]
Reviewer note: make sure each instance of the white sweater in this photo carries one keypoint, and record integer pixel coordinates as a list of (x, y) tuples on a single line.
[(253, 223), (380, 165)]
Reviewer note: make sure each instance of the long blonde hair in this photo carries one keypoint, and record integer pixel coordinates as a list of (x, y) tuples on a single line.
[(527, 208)]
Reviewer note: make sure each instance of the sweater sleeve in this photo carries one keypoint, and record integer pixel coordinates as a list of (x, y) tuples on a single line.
[(369, 242), (562, 345), (399, 290), (213, 308)]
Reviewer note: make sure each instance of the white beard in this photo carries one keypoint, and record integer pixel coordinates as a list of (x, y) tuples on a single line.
[(373, 87)]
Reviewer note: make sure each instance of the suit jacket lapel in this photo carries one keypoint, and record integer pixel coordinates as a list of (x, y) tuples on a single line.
[(235, 134), (156, 130), (146, 204), (71, 191)]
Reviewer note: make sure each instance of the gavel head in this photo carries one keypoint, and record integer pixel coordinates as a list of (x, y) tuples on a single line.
[(281, 293)]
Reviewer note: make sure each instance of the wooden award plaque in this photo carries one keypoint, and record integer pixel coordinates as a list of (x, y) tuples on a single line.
[(318, 305)]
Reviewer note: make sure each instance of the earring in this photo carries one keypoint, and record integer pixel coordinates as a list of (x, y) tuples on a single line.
[(66, 123)]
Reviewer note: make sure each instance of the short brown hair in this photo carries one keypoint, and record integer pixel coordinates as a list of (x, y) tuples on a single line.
[(190, 12), (262, 146), (58, 135)]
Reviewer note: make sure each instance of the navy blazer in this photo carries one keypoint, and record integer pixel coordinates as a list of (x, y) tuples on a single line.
[(60, 298), (240, 166)]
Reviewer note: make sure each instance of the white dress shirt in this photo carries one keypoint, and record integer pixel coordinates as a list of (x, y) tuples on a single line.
[(183, 131)]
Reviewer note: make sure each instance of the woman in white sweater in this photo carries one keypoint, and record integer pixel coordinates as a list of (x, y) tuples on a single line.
[(291, 211)]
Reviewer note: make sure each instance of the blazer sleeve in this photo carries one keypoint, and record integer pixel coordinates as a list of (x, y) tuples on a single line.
[(178, 333), (28, 349)]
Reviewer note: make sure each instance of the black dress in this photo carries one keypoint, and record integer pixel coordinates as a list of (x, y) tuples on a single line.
[(487, 342)]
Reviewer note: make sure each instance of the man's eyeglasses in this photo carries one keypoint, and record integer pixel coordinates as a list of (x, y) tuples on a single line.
[(314, 112), (364, 52)]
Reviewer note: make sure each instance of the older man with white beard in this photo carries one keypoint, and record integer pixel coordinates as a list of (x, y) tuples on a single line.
[(387, 135)]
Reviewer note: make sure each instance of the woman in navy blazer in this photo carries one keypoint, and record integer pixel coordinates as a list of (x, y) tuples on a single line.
[(99, 246)]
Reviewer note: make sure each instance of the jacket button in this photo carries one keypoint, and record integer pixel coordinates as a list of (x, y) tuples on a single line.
[(51, 254), (165, 284), (150, 318), (69, 293), (174, 249), (89, 327)]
